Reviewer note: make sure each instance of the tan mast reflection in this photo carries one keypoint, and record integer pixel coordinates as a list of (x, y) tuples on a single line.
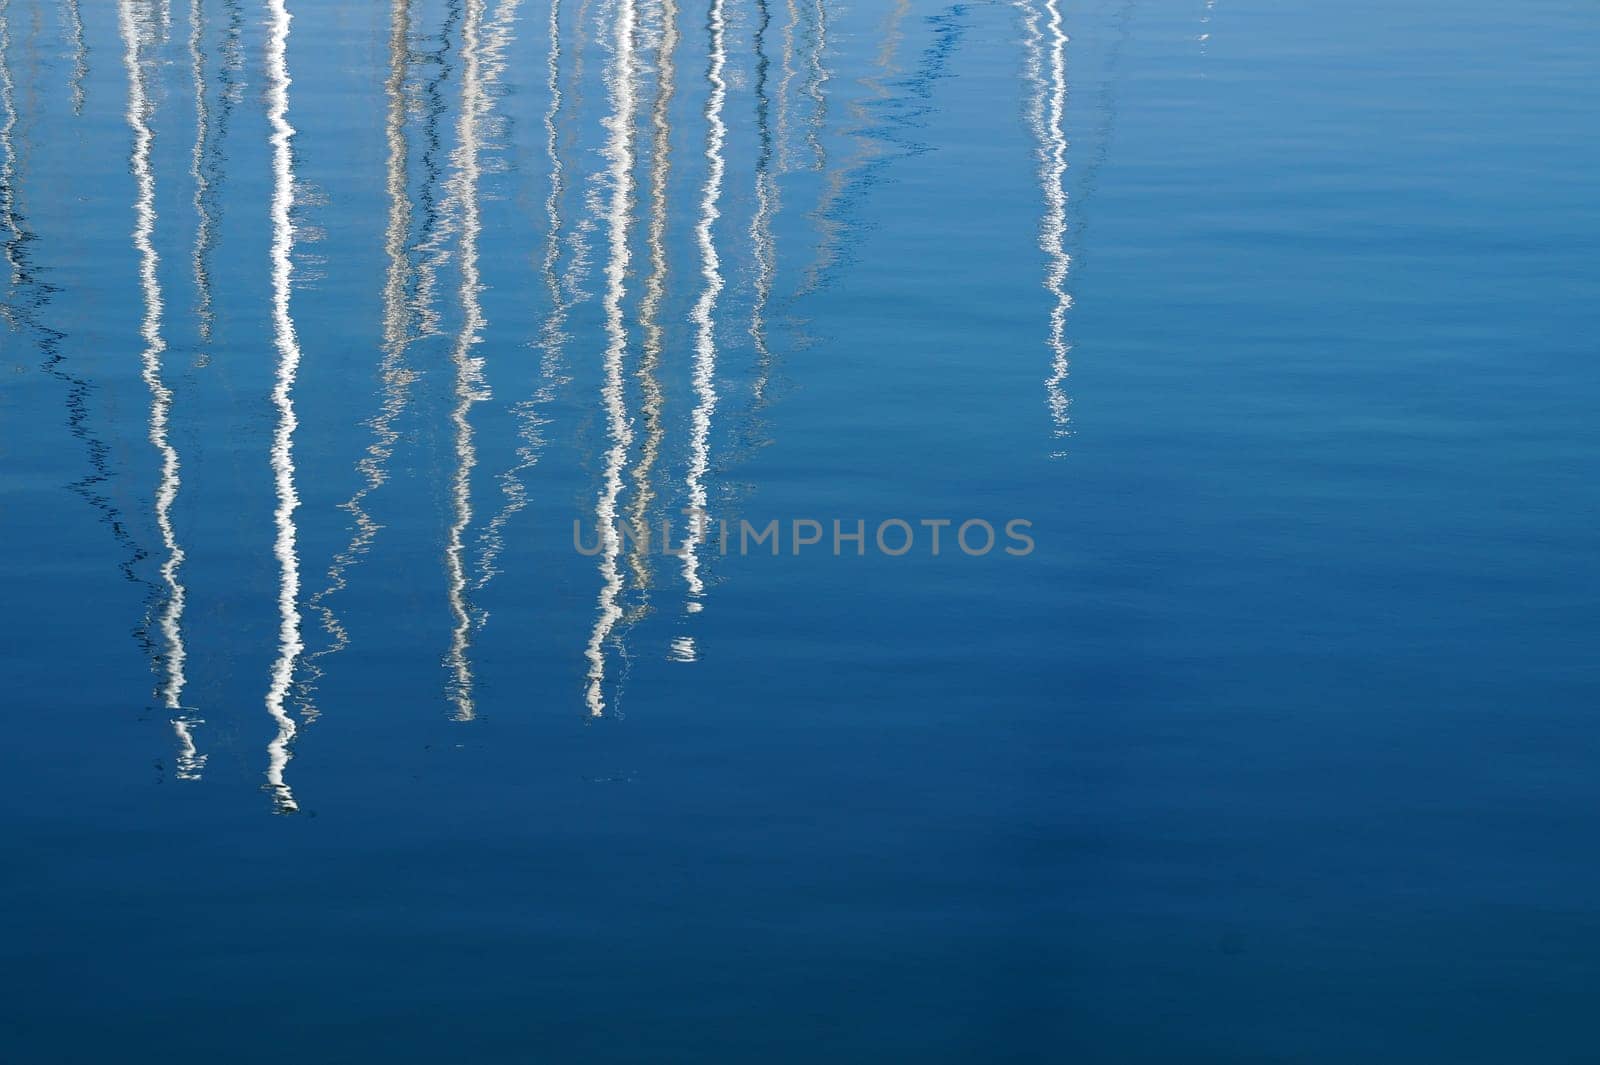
[(396, 375), (1046, 116), (650, 309), (282, 454), (619, 153), (134, 19), (704, 318), (481, 56)]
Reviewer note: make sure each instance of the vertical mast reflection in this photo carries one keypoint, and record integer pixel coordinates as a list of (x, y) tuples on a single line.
[(767, 193), (80, 55), (650, 306), (704, 318), (135, 23), (1046, 115), (481, 59), (282, 454), (619, 153)]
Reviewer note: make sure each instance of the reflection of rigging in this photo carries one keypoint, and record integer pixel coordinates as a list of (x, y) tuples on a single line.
[(396, 375), (899, 112), (828, 216), (552, 336), (169, 616), (31, 295)]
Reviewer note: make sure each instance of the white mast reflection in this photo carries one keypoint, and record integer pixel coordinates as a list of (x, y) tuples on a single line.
[(481, 63), (80, 53), (619, 152), (282, 455), (1046, 115), (134, 19), (8, 157), (704, 318)]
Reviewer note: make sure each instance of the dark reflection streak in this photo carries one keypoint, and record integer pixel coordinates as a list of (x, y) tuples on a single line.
[(33, 295), (25, 312), (650, 310), (393, 370), (434, 227), (80, 55)]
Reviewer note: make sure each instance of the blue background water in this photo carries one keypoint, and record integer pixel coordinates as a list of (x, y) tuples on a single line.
[(1280, 747)]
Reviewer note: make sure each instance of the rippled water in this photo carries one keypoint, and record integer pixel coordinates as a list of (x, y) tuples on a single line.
[(347, 344)]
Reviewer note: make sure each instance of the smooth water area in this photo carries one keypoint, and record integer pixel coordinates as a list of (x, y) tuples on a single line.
[(344, 342)]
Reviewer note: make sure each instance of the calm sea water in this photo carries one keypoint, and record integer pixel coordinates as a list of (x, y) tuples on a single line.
[(325, 323)]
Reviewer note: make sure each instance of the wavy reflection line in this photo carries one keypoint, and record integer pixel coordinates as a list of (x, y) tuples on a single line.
[(552, 336), (481, 55), (80, 55), (437, 225), (816, 83), (762, 241), (704, 318), (1046, 115), (16, 239), (169, 619), (655, 287), (619, 153), (205, 164), (282, 455), (393, 371)]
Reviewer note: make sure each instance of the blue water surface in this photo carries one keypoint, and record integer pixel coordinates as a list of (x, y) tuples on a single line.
[(344, 340)]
